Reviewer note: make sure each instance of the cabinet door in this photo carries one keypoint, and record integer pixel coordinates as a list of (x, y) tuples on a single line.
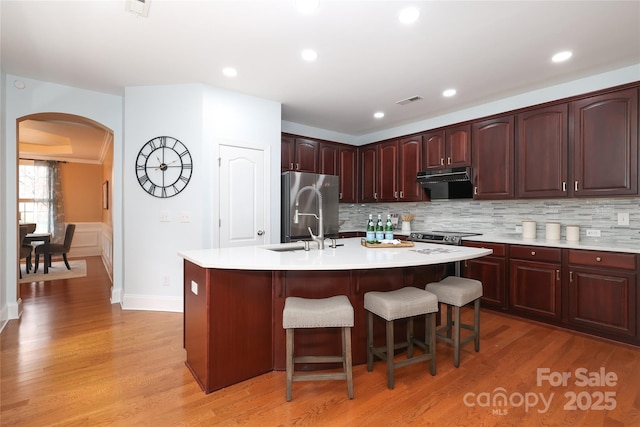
[(287, 152), (603, 299), (329, 160), (388, 171), (541, 152), (306, 155), (605, 144), (434, 150), (348, 175), (491, 271), (368, 173), (410, 163), (493, 158), (535, 288), (458, 146)]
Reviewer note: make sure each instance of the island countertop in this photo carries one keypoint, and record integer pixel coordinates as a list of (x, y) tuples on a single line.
[(351, 256)]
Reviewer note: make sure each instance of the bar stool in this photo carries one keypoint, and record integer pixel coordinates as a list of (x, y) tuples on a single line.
[(333, 312), (457, 292), (404, 303)]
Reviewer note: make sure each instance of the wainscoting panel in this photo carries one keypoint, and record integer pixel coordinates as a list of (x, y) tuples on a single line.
[(86, 240)]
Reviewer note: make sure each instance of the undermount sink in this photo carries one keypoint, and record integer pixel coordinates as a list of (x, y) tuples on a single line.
[(286, 248)]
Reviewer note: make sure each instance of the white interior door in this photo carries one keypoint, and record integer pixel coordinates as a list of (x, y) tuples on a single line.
[(243, 186)]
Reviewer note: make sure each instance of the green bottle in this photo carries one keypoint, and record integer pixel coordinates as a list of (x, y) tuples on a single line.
[(379, 229), (371, 231), (388, 229)]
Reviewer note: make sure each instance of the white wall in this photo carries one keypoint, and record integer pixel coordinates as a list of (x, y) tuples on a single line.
[(202, 118), (39, 97)]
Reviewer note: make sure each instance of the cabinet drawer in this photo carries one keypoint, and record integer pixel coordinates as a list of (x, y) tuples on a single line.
[(536, 253), (499, 249), (602, 259)]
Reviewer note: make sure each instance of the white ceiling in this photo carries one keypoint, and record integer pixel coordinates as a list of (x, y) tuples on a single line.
[(367, 60)]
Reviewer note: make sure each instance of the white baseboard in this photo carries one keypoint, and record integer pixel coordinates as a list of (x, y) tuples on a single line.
[(152, 303)]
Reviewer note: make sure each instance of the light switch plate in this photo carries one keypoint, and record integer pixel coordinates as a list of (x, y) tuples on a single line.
[(194, 287), (593, 233), (165, 216), (185, 216)]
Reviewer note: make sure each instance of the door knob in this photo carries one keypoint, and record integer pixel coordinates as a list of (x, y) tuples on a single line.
[(260, 232)]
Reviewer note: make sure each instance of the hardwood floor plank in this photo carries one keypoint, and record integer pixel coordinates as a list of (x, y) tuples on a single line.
[(74, 359)]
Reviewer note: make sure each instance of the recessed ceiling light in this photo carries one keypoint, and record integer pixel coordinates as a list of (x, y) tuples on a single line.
[(562, 56), (409, 15), (449, 93), (307, 6), (19, 84), (378, 115), (309, 55), (229, 71)]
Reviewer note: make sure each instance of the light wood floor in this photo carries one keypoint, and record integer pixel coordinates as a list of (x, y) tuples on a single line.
[(75, 359)]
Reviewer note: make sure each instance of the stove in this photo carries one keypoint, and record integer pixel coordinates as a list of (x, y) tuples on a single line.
[(443, 237)]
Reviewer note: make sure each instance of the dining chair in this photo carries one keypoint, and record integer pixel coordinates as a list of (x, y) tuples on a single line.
[(25, 250), (57, 248)]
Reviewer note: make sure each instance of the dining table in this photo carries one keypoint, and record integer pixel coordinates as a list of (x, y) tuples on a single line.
[(45, 238)]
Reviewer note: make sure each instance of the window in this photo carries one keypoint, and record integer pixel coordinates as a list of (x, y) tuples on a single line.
[(35, 196)]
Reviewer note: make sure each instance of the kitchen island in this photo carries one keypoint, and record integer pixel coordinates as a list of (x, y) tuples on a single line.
[(234, 297)]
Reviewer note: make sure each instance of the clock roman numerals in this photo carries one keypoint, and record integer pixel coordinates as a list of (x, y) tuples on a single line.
[(164, 167)]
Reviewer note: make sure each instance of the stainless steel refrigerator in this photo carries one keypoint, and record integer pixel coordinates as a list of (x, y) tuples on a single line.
[(303, 188)]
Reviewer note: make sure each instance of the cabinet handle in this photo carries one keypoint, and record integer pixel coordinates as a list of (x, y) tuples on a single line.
[(395, 194), (575, 186), (441, 161), (598, 259), (340, 196), (571, 276), (557, 274), (402, 194), (375, 196), (564, 185), (466, 265), (448, 160), (475, 191), (290, 166), (533, 253), (297, 166)]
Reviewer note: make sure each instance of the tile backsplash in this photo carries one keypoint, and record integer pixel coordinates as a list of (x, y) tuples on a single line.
[(502, 216)]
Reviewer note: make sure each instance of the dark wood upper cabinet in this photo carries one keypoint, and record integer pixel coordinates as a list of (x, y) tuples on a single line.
[(348, 172), (329, 163), (299, 154), (447, 148), (493, 158), (605, 144), (388, 163), (542, 152), (287, 153), (410, 162), (368, 173)]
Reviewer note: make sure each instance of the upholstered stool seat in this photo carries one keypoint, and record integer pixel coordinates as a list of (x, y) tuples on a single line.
[(404, 303), (333, 312), (457, 292)]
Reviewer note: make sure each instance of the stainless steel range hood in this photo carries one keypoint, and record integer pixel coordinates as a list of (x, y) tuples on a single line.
[(453, 183)]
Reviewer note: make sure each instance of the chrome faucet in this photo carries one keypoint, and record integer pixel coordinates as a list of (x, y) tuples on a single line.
[(319, 239)]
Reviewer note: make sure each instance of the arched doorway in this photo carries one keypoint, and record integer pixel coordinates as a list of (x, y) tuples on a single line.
[(85, 149)]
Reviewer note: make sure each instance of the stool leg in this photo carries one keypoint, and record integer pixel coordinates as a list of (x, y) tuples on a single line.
[(390, 342), (476, 323), (456, 336), (289, 345), (369, 341), (449, 322), (348, 362), (410, 338), (430, 328)]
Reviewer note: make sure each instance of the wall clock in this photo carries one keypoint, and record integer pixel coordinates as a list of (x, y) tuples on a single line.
[(164, 166)]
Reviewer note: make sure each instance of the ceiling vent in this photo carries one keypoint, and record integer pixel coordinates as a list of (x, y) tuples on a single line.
[(139, 7), (409, 100)]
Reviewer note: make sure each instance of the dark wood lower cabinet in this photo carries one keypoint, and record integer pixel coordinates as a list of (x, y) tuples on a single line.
[(594, 292)]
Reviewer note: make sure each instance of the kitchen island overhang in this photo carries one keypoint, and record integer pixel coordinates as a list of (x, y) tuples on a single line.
[(234, 297)]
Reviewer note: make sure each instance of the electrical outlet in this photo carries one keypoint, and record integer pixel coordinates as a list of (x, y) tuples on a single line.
[(165, 280), (593, 233), (623, 218), (165, 216), (185, 216), (518, 229), (194, 287)]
